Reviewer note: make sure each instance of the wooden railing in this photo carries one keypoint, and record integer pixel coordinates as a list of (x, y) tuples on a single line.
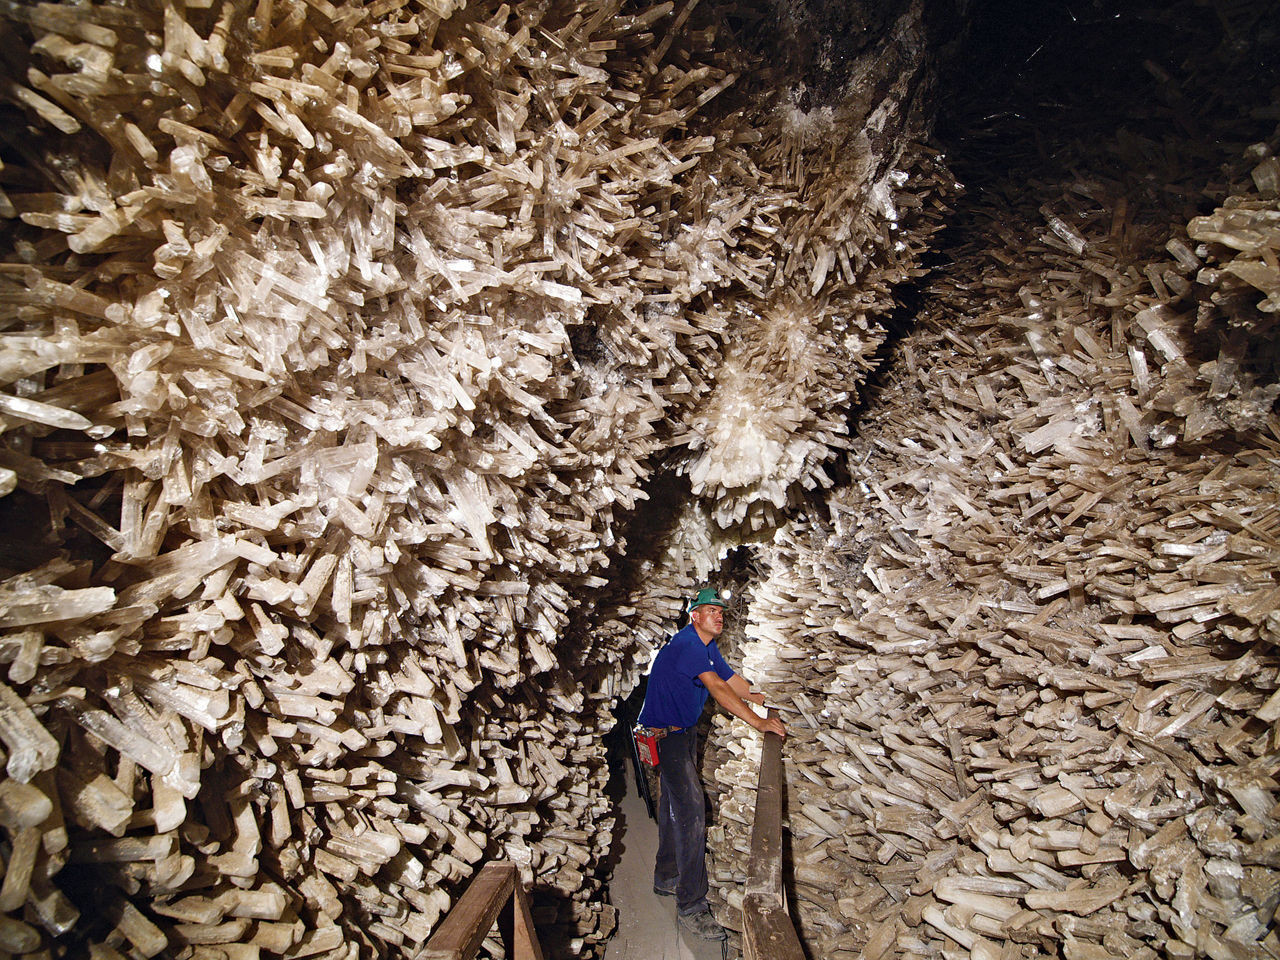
[(767, 930), (496, 886)]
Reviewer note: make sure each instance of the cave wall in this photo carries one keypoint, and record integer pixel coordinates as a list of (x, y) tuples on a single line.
[(1026, 651)]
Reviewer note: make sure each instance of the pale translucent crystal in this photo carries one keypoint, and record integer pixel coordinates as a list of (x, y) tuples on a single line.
[(393, 321), (1243, 229), (263, 904), (1266, 177), (1064, 230), (47, 110), (170, 808), (45, 603), (241, 859), (26, 845), (31, 747), (97, 802), (180, 571), (147, 938), (206, 708), (159, 758), (43, 413), (27, 661)]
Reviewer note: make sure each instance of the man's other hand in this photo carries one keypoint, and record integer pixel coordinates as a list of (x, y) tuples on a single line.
[(755, 698)]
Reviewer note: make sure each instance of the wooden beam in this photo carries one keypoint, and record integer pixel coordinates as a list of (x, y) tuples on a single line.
[(524, 937), (469, 922), (767, 930), (764, 869)]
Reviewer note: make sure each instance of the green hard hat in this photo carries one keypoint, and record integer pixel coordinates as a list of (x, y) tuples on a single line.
[(707, 595)]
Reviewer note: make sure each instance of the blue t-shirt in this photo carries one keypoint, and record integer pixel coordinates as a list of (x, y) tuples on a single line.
[(675, 696)]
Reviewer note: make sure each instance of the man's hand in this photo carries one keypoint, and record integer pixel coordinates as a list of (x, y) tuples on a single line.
[(733, 695), (772, 725)]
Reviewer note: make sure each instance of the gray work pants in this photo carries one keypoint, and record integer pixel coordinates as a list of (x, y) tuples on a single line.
[(682, 823)]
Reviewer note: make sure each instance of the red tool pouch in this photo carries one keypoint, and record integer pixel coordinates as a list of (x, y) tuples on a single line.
[(647, 745)]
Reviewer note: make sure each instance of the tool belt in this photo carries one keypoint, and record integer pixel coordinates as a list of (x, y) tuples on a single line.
[(647, 742)]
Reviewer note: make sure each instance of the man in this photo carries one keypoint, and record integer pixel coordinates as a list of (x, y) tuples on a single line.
[(685, 671)]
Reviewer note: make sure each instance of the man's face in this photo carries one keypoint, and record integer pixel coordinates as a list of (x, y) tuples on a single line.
[(708, 619)]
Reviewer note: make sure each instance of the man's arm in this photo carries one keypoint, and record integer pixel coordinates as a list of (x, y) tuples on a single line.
[(728, 698), (742, 687)]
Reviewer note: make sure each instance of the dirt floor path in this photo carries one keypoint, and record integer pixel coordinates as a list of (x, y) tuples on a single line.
[(646, 922)]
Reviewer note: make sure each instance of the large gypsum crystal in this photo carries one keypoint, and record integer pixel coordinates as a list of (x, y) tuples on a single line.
[(338, 340), (779, 410)]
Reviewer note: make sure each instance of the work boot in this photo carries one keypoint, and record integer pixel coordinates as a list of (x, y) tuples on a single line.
[(702, 925), (665, 890)]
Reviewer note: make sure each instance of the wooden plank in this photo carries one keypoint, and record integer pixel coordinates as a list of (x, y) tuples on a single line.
[(767, 931), (524, 944), (472, 917), (764, 869)]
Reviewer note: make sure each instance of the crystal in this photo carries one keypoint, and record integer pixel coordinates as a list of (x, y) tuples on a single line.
[(17, 937), (158, 757), (147, 938), (26, 845), (23, 805), (204, 708), (398, 311), (1266, 177), (31, 747), (43, 413), (170, 808), (95, 802), (45, 603), (24, 666)]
